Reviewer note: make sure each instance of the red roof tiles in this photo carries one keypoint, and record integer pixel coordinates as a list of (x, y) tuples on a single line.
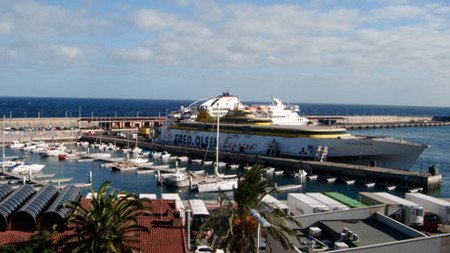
[(165, 231)]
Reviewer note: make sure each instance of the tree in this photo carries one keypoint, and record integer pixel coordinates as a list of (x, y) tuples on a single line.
[(233, 226), (108, 224)]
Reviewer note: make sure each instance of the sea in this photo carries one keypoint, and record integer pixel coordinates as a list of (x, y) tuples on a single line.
[(18, 107)]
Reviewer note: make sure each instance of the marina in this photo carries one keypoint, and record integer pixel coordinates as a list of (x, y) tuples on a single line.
[(117, 132), (183, 174)]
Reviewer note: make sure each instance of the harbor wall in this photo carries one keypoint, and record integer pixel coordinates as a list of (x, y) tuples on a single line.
[(406, 179), (25, 136), (109, 123)]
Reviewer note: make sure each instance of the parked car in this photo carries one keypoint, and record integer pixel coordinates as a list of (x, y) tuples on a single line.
[(205, 248)]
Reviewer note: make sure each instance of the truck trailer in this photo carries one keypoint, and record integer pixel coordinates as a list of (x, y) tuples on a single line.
[(301, 204), (331, 203), (431, 204), (393, 209), (411, 214)]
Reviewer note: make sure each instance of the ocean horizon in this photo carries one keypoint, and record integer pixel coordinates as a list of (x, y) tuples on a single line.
[(33, 107)]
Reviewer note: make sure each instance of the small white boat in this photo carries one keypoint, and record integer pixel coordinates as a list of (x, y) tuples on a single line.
[(247, 167), (196, 161), (28, 147), (369, 185), (165, 156), (183, 158), (136, 150), (173, 158), (330, 179), (24, 168), (99, 155), (72, 156), (16, 145), (221, 164), (137, 160), (218, 185), (38, 150), (270, 170), (155, 154), (52, 153), (84, 144), (208, 162), (123, 167), (233, 166), (9, 163), (278, 172), (349, 182), (301, 174)]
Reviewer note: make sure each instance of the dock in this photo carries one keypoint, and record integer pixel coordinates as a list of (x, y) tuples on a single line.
[(403, 178)]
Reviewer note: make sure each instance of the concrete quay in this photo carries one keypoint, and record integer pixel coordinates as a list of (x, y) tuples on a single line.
[(383, 176), (381, 121)]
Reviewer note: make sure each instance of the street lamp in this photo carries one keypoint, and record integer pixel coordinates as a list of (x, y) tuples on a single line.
[(261, 222)]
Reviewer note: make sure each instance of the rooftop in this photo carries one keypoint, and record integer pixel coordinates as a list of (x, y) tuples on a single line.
[(166, 233)]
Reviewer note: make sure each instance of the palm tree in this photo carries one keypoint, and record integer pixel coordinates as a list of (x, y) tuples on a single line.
[(108, 224), (235, 229)]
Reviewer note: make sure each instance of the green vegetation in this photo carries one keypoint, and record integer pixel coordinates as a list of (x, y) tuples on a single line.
[(233, 226), (108, 224)]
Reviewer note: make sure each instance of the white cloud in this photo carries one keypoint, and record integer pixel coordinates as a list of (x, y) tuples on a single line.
[(154, 20), (137, 54), (68, 52), (5, 27), (9, 53), (329, 47)]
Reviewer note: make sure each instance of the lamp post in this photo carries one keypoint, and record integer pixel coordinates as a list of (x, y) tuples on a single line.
[(261, 222)]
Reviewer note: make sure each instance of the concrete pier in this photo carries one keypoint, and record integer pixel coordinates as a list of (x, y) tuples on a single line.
[(381, 121)]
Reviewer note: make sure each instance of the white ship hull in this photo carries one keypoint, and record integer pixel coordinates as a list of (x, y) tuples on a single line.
[(385, 152), (218, 185)]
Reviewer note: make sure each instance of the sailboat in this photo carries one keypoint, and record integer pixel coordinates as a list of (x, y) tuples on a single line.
[(222, 182), (136, 149)]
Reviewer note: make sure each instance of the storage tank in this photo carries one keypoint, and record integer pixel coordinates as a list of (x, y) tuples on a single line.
[(431, 204), (300, 204), (331, 203)]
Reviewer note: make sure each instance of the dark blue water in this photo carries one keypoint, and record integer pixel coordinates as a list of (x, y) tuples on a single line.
[(86, 107), (437, 137)]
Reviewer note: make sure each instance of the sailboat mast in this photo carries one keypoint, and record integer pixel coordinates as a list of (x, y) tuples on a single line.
[(3, 146), (216, 168)]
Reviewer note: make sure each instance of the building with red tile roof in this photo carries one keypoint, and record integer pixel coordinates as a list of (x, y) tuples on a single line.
[(166, 233)]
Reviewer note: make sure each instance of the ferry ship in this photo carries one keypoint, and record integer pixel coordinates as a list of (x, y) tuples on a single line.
[(302, 142)]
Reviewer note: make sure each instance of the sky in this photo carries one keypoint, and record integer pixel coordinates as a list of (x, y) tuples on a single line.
[(390, 52)]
